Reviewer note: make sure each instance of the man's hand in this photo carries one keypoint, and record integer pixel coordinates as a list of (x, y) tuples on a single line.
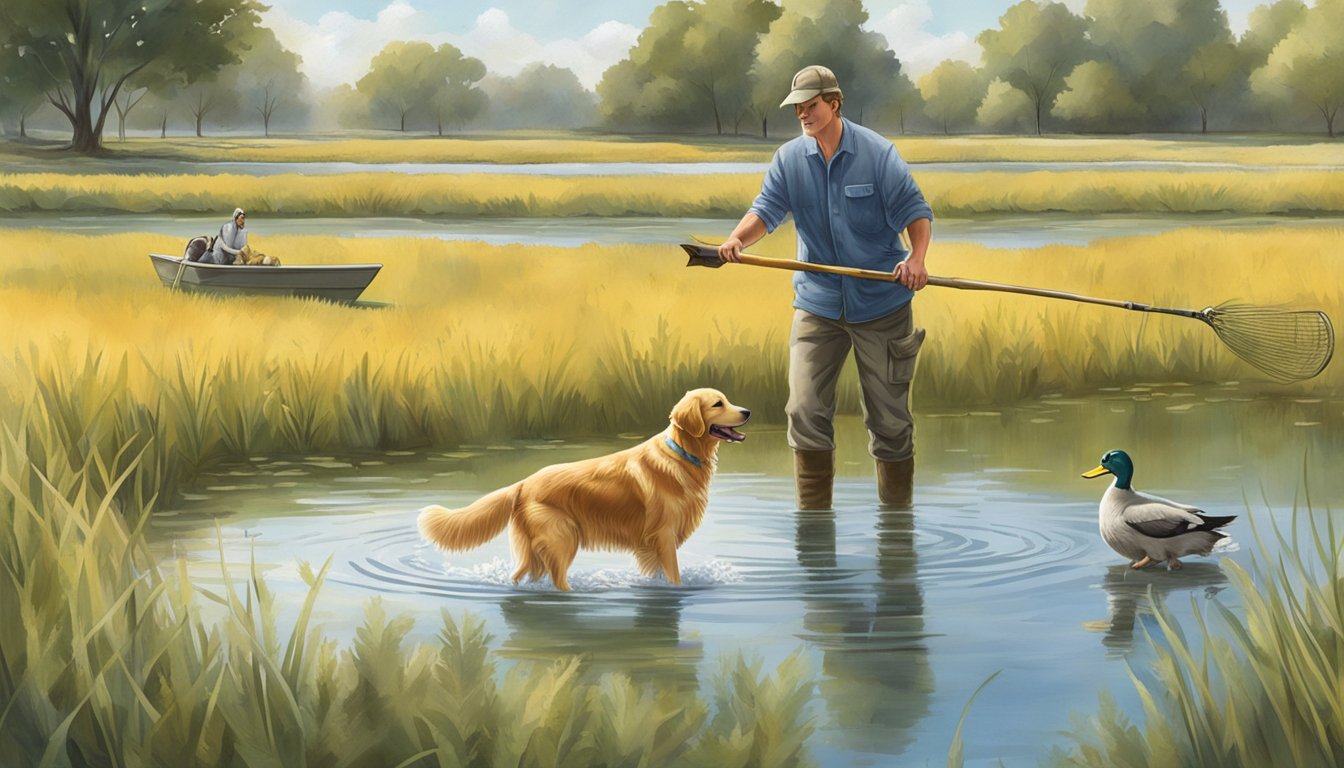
[(911, 273), (731, 249)]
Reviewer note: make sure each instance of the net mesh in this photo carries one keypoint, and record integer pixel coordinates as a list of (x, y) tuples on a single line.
[(1289, 345)]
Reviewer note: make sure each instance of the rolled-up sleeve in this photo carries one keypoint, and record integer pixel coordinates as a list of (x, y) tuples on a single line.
[(772, 204), (905, 202)]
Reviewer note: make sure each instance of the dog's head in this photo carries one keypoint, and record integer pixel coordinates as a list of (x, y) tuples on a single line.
[(707, 414)]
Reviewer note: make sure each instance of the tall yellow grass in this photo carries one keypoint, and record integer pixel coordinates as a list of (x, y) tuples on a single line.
[(482, 343), (719, 195), (540, 147)]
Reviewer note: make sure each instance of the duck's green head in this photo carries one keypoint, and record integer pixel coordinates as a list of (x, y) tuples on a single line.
[(1115, 463)]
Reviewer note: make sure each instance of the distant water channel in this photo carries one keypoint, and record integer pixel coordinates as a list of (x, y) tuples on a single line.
[(901, 614), (992, 231)]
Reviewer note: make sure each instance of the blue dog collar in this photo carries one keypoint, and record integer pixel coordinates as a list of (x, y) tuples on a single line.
[(677, 449)]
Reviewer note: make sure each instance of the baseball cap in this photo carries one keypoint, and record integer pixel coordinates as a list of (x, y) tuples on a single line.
[(811, 81)]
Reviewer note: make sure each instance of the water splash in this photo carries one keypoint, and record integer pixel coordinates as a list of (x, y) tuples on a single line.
[(498, 572)]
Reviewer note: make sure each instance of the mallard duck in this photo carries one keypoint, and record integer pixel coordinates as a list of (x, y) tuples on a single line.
[(1149, 529)]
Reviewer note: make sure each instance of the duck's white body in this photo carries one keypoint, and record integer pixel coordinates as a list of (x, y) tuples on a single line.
[(1148, 528)]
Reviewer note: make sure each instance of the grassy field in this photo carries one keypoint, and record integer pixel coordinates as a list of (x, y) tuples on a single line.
[(542, 147), (487, 343), (719, 195)]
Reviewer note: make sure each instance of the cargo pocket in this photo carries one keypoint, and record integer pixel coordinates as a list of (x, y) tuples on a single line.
[(901, 355)]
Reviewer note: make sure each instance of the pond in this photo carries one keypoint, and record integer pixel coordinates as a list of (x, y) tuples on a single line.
[(1033, 231), (901, 614)]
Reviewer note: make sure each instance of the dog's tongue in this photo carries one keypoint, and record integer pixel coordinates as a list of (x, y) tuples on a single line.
[(728, 433)]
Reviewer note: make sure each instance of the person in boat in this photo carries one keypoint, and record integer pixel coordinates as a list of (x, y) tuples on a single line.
[(230, 242)]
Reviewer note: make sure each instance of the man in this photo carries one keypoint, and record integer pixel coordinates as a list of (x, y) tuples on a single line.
[(231, 241), (851, 195)]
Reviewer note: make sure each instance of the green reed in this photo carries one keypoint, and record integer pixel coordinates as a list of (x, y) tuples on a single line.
[(1259, 688), (106, 660)]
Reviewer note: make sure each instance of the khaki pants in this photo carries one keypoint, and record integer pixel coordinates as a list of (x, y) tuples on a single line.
[(885, 351)]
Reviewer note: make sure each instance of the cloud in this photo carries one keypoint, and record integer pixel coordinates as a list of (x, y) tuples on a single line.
[(338, 48), (903, 24)]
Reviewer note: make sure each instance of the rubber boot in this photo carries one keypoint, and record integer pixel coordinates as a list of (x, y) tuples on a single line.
[(813, 476), (896, 483)]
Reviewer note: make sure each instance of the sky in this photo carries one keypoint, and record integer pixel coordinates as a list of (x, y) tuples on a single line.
[(338, 38)]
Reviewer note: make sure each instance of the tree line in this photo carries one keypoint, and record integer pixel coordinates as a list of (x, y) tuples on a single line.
[(1120, 66), (715, 66)]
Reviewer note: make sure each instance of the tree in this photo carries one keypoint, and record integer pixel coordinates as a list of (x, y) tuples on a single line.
[(155, 79), (829, 32), (414, 76), (903, 102), (1214, 69), (1266, 27), (212, 96), (159, 104), (128, 99), (21, 91), (720, 48), (1150, 43), (1096, 98), (1007, 109), (345, 106), (540, 96), (269, 81), (952, 91), (689, 69), (402, 77), (457, 99), (87, 50), (1035, 45), (1303, 72)]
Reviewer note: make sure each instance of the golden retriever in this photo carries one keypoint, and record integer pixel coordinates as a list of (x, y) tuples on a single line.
[(647, 499), (252, 257)]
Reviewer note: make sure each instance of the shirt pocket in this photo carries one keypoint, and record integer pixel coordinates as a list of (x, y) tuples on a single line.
[(863, 208)]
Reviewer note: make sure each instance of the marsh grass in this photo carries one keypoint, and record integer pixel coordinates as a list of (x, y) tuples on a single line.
[(104, 660), (556, 147), (720, 195), (1261, 688), (481, 343)]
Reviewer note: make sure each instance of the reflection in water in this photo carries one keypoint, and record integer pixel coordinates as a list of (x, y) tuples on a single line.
[(1131, 594), (869, 625), (638, 635)]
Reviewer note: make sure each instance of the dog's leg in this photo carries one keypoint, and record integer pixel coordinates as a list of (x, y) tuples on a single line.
[(556, 541), (522, 552), (647, 561), (666, 546)]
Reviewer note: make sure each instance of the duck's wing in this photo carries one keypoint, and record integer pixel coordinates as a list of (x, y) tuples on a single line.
[(1162, 519)]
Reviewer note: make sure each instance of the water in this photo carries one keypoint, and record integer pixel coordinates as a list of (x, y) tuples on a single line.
[(901, 614), (991, 231)]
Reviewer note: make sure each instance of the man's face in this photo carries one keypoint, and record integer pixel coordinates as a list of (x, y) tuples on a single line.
[(815, 114)]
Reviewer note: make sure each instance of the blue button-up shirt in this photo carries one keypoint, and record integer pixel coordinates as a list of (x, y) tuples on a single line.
[(848, 213)]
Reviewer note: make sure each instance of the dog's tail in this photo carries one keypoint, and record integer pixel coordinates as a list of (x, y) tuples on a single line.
[(470, 526)]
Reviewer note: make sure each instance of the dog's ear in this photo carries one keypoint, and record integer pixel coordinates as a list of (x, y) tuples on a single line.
[(688, 415)]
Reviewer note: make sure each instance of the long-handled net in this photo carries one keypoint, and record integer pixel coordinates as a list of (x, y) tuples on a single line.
[(1288, 344)]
